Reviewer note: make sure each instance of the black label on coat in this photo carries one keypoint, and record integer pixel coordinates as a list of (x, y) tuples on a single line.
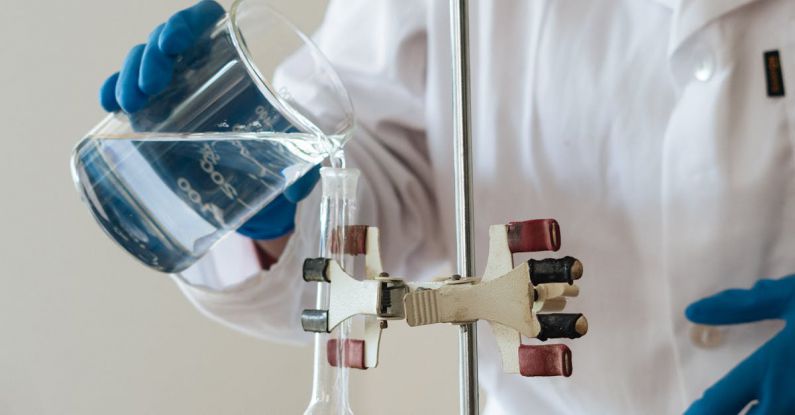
[(775, 80)]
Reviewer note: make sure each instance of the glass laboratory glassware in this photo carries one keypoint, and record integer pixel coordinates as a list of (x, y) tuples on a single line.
[(251, 108), (337, 210)]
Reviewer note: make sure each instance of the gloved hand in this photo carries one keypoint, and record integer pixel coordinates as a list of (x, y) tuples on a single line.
[(148, 70), (768, 375), (278, 218)]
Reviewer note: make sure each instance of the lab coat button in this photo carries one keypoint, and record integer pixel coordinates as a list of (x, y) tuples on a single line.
[(706, 337), (704, 68)]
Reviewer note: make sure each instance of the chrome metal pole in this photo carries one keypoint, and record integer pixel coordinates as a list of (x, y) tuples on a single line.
[(462, 156)]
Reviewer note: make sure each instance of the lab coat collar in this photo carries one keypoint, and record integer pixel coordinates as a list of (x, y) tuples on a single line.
[(689, 16)]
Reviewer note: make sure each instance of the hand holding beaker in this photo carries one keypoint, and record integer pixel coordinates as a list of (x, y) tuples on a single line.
[(240, 120)]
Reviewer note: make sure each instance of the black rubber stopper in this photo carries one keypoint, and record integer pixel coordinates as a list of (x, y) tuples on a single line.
[(545, 271), (562, 326)]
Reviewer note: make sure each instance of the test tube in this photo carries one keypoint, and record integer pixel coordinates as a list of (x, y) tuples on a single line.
[(330, 392)]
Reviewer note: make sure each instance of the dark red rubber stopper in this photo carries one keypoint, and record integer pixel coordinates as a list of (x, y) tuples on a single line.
[(355, 240), (534, 236), (546, 360), (352, 353)]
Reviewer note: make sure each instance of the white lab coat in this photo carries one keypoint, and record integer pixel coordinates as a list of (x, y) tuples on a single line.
[(644, 127)]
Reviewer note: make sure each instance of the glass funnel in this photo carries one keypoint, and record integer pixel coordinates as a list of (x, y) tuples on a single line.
[(338, 209), (251, 108)]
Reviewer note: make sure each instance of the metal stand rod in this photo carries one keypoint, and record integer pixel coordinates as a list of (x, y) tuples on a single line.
[(462, 156)]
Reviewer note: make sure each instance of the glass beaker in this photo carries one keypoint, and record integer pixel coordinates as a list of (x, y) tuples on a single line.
[(251, 108)]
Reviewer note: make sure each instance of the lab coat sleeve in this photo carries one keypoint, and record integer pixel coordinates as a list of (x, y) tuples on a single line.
[(379, 50)]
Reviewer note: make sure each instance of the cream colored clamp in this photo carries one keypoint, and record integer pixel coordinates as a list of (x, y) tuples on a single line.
[(509, 298)]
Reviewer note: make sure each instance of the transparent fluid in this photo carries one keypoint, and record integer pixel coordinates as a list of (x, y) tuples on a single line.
[(167, 198), (222, 140)]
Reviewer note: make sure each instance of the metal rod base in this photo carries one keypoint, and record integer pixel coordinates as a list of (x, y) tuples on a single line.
[(462, 155), (468, 375)]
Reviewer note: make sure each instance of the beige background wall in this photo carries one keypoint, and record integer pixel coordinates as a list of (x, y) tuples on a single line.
[(86, 330)]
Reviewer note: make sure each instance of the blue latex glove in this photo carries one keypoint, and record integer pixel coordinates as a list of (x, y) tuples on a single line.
[(278, 218), (148, 70), (768, 375)]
